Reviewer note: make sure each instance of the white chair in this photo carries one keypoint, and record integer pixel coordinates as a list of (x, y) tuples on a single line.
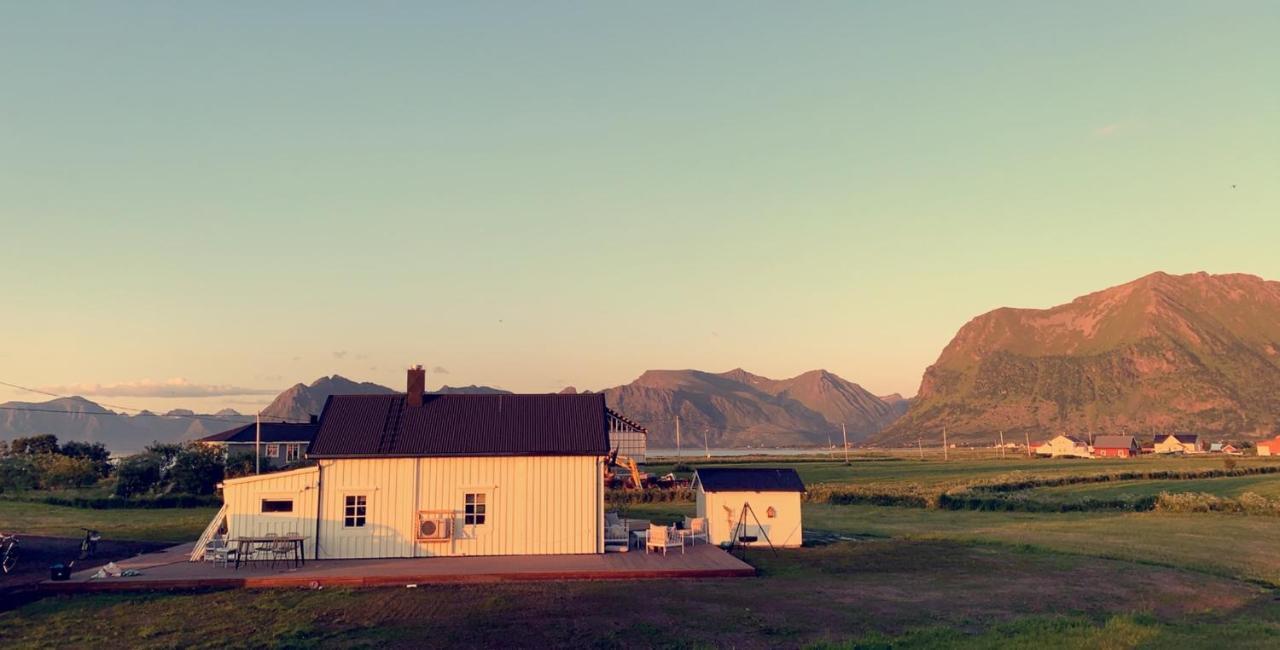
[(695, 528), (661, 537)]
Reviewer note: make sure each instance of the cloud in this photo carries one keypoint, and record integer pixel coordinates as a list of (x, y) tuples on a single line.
[(439, 370), (147, 388), (338, 354), (1108, 130)]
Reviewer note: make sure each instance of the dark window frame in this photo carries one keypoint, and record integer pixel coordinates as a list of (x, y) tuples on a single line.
[(475, 508)]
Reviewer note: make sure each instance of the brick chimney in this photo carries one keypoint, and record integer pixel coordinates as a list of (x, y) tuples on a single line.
[(417, 386)]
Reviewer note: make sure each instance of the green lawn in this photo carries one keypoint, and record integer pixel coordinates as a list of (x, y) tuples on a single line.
[(167, 524), (879, 577), (926, 593), (1234, 486), (939, 474)]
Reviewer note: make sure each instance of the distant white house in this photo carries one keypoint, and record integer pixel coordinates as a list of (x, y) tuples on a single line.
[(1064, 446), (773, 497), (1179, 443)]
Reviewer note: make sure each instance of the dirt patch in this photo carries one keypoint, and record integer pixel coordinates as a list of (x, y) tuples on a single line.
[(38, 553)]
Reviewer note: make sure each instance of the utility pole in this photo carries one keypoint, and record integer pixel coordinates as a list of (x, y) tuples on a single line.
[(946, 455), (1027, 434), (257, 444), (844, 432), (677, 436), (1001, 445), (831, 449), (920, 445), (706, 446)]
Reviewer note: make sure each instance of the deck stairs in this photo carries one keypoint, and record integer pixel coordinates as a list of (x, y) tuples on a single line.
[(197, 552)]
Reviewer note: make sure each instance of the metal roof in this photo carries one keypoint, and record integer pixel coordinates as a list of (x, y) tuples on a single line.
[(1115, 442), (749, 479), (462, 425), (272, 432)]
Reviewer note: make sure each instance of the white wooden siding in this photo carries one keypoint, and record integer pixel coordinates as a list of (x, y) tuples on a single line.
[(243, 500), (534, 505), (722, 510)]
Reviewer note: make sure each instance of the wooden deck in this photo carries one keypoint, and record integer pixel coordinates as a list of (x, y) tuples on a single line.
[(169, 569)]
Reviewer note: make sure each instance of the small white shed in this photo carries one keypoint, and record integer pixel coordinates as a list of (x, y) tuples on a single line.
[(765, 500)]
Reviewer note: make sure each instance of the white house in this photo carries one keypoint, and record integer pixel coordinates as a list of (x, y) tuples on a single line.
[(765, 500), (422, 475), (1064, 446), (1179, 443)]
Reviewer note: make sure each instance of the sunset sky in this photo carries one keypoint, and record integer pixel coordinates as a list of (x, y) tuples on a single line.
[(218, 200)]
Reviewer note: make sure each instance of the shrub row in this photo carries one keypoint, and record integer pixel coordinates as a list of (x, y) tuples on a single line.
[(649, 495), (1249, 503), (1007, 484)]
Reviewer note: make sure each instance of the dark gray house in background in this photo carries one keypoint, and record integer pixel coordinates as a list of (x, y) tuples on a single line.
[(282, 443)]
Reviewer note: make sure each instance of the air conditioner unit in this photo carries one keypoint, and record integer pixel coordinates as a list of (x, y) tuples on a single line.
[(434, 527)]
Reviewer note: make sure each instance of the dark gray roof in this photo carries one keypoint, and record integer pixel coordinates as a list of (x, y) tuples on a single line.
[(1114, 442), (1186, 438), (272, 432), (749, 479), (462, 425)]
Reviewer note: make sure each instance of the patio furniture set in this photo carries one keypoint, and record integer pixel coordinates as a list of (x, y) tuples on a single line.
[(252, 551), (621, 535)]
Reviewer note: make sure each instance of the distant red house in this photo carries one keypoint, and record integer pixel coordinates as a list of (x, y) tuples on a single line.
[(1115, 447)]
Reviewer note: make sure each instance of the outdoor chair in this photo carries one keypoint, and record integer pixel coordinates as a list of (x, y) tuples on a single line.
[(218, 551), (262, 547), (617, 535), (662, 537), (282, 550), (695, 528)]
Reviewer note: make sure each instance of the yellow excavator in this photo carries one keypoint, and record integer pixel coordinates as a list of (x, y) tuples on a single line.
[(636, 481)]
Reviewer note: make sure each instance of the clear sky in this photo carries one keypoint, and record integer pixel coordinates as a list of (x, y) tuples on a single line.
[(245, 195)]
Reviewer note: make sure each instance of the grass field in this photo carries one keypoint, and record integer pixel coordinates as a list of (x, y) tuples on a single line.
[(1267, 486), (132, 524), (896, 472), (878, 577)]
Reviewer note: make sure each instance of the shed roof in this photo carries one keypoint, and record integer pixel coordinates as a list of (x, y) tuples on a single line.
[(749, 479), (272, 432), (462, 425), (1115, 442)]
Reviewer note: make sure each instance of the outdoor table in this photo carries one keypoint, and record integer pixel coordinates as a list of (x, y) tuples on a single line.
[(246, 544), (641, 537)]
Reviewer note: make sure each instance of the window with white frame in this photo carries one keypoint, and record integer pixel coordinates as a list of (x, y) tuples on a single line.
[(273, 451), (354, 509), (474, 509), (292, 453)]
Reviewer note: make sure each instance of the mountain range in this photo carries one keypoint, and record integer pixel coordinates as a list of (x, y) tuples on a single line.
[(76, 418), (738, 408), (1163, 353)]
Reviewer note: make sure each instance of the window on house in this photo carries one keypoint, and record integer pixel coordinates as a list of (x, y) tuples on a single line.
[(473, 512), (277, 505), (273, 451), (292, 453), (354, 509)]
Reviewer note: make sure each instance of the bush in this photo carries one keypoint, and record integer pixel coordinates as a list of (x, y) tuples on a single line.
[(239, 464), (58, 471), (95, 452), (138, 475), (18, 473), (649, 495), (197, 469)]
